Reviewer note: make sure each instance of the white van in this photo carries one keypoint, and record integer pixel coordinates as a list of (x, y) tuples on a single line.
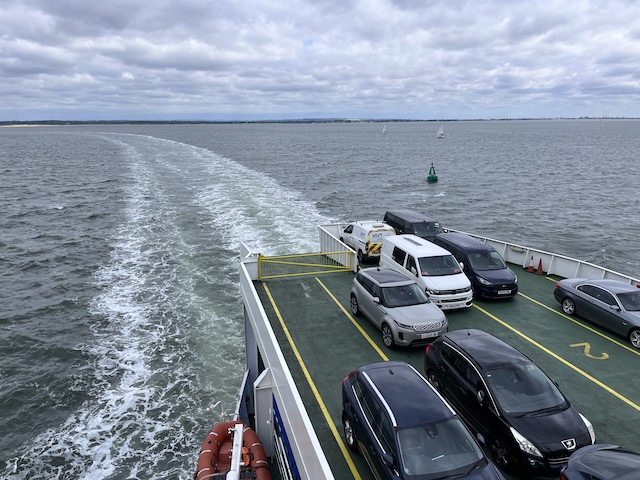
[(366, 238), (434, 267)]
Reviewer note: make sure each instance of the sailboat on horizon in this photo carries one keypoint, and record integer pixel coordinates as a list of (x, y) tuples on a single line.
[(384, 129), (440, 133)]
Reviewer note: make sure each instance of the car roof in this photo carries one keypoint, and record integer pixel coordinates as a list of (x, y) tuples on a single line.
[(485, 349), (411, 215), (464, 241), (384, 276), (411, 398), (417, 245), (372, 224), (614, 286)]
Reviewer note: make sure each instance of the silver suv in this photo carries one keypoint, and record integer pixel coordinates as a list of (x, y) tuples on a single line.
[(398, 306)]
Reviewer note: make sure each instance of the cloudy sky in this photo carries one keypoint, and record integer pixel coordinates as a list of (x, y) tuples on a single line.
[(281, 59)]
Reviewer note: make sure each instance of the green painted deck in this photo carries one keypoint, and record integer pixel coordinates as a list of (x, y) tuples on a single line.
[(596, 370)]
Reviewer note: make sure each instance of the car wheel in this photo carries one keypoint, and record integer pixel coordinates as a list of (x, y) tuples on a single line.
[(568, 306), (634, 337), (350, 436), (433, 380), (360, 256), (353, 303), (501, 454), (387, 336)]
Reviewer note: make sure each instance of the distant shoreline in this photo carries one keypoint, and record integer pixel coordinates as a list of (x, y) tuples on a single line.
[(49, 123)]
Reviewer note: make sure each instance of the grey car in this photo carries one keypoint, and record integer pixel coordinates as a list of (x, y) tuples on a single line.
[(612, 304), (398, 306)]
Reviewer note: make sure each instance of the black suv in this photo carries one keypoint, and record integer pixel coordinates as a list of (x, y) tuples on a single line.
[(408, 221), (405, 429), (510, 402)]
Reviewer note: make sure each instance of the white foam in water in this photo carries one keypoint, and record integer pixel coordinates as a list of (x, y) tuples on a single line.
[(158, 365), (254, 209)]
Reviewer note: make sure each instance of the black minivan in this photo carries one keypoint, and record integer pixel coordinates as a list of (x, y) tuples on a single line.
[(415, 223), (405, 429), (503, 396), (482, 264)]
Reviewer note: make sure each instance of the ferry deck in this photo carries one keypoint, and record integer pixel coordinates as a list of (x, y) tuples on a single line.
[(322, 342)]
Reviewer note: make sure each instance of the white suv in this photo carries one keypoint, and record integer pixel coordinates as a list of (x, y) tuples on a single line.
[(366, 238)]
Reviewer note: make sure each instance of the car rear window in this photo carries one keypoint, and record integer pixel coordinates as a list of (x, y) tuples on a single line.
[(377, 236)]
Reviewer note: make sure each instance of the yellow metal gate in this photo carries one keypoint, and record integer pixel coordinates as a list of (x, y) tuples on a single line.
[(303, 264)]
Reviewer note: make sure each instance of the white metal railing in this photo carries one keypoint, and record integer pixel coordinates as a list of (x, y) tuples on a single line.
[(330, 242), (551, 263)]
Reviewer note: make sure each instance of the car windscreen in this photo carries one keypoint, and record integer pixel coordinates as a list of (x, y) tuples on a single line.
[(524, 388), (438, 449), (486, 261), (438, 266), (403, 295), (630, 301), (426, 229)]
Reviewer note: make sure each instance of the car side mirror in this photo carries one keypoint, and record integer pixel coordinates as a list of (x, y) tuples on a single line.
[(481, 396), (388, 460), (376, 299), (615, 308), (414, 271), (461, 265)]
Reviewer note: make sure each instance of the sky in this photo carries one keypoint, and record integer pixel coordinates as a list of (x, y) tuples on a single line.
[(251, 60)]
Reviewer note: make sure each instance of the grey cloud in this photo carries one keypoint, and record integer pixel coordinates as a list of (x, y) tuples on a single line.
[(386, 58)]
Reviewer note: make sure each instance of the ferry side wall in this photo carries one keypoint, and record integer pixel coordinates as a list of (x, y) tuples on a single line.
[(262, 349)]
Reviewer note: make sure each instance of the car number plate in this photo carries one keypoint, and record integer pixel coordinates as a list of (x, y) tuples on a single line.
[(504, 292), (429, 335)]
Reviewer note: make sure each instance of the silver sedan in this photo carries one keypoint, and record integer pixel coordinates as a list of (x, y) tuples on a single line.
[(612, 304)]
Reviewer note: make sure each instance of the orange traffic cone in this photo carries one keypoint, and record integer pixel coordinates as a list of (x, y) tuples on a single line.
[(539, 271), (531, 269)]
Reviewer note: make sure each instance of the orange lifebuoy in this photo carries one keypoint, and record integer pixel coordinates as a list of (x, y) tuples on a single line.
[(215, 455)]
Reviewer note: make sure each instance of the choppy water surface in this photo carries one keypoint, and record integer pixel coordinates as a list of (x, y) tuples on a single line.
[(120, 322)]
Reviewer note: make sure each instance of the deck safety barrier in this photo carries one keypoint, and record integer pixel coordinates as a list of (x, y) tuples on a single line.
[(302, 264)]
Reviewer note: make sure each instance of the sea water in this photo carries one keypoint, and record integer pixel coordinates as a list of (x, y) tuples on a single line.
[(121, 338)]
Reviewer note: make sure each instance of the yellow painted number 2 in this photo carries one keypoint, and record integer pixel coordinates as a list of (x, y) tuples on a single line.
[(587, 351)]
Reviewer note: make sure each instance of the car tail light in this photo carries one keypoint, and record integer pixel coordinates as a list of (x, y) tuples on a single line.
[(557, 285), (348, 375), (563, 476), (426, 350)]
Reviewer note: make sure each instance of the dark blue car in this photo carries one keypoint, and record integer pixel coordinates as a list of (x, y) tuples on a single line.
[(405, 429), (488, 273)]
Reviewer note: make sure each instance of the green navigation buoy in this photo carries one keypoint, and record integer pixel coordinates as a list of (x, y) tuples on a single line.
[(432, 178)]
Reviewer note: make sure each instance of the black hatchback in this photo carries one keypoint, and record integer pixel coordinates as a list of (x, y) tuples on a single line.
[(405, 429), (508, 401)]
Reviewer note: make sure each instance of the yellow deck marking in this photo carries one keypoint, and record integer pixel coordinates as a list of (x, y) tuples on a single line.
[(353, 320), (312, 385), (559, 358), (587, 351), (635, 351)]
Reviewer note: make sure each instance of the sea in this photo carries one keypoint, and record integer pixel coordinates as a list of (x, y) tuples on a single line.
[(121, 329)]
